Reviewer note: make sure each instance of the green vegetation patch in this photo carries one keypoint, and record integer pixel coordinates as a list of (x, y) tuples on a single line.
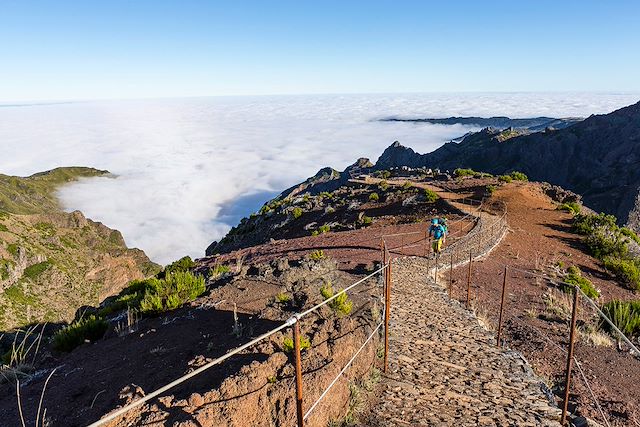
[(430, 195), (574, 277), (3, 227), (342, 305), (518, 176), (317, 255), (91, 328), (505, 178), (625, 315), (5, 267), (321, 230), (573, 208), (287, 344), (297, 212), (374, 197), (33, 271)]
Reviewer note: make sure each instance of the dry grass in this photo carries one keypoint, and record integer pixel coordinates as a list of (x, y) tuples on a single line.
[(595, 337), (557, 304), (482, 314), (22, 355)]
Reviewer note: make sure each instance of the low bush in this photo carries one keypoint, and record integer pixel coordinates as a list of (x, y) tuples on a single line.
[(91, 328), (571, 207), (626, 270), (374, 197), (183, 264), (283, 298), (364, 221), (505, 178), (407, 185), (321, 230), (574, 277), (490, 189), (172, 292), (287, 344), (625, 315), (342, 305), (518, 176), (383, 186), (297, 212), (430, 196), (317, 255), (460, 172)]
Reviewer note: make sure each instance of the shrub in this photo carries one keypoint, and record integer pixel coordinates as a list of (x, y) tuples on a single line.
[(365, 221), (384, 174), (297, 212), (625, 315), (519, 176), (460, 172), (383, 186), (374, 197), (430, 196), (574, 277), (264, 210), (321, 230), (490, 189), (505, 178), (317, 255), (91, 328), (604, 242), (586, 224), (158, 295), (218, 270), (287, 344), (630, 234), (342, 305), (283, 298), (627, 270), (571, 207), (183, 264)]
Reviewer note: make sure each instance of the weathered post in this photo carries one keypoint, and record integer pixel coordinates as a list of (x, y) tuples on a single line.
[(387, 311), (298, 361), (567, 382), (435, 274), (383, 251), (450, 274), (504, 288), (469, 278)]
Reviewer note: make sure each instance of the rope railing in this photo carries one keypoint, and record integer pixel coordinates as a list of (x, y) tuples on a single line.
[(293, 322)]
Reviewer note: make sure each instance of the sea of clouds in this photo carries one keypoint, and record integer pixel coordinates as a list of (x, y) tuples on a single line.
[(188, 169)]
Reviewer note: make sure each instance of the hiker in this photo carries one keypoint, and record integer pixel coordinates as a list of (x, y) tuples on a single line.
[(438, 232)]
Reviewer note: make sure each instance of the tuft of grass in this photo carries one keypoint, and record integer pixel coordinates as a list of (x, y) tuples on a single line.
[(572, 207), (490, 189), (373, 197), (219, 270), (383, 186), (505, 178), (283, 298), (91, 328), (518, 176), (407, 185), (317, 255), (342, 305), (625, 315), (430, 196), (287, 344), (297, 212), (321, 230), (171, 292)]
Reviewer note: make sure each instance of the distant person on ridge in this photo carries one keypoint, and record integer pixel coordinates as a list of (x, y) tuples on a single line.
[(438, 232)]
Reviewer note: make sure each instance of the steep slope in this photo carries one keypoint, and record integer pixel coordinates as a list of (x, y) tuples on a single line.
[(53, 262), (598, 158)]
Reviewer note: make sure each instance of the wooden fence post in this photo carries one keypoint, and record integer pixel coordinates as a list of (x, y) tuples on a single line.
[(469, 278), (298, 362), (387, 312), (567, 382), (504, 288)]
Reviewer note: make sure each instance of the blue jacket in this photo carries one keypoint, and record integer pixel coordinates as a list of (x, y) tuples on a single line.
[(437, 231)]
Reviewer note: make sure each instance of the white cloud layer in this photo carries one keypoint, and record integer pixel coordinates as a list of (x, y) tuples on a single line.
[(189, 168)]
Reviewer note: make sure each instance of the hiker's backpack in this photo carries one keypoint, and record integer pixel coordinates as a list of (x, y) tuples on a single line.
[(438, 231)]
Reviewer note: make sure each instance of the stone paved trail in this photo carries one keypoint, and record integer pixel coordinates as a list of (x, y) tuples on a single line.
[(445, 369)]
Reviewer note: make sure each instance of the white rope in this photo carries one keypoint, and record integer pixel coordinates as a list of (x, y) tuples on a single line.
[(341, 372)]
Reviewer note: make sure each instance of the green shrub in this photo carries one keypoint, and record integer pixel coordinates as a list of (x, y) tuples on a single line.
[(627, 270), (374, 197), (605, 242), (625, 315), (587, 223), (574, 277), (317, 255), (13, 249), (490, 189), (264, 210), (297, 212), (365, 221), (384, 174), (342, 305), (460, 172), (571, 207), (626, 232), (430, 196), (183, 264), (218, 270), (283, 298), (505, 178), (3, 227), (519, 176), (321, 230), (383, 186), (91, 328), (33, 271), (287, 344), (172, 292)]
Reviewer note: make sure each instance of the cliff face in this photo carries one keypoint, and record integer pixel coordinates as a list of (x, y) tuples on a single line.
[(53, 262), (598, 158)]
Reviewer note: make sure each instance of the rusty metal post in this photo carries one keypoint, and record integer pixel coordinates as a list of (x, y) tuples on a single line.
[(426, 243), (435, 274), (504, 289), (450, 274), (567, 382), (387, 310), (298, 361), (469, 278), (384, 252)]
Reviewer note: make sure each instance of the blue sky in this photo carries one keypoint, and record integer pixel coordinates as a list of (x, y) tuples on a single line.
[(52, 50)]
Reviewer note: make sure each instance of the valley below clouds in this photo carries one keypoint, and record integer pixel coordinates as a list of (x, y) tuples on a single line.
[(186, 170)]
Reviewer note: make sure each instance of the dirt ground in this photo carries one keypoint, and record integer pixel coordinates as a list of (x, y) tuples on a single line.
[(539, 238)]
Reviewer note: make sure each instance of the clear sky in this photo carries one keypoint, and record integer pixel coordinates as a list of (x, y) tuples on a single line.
[(53, 50)]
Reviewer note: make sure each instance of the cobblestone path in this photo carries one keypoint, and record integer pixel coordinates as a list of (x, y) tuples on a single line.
[(445, 369)]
